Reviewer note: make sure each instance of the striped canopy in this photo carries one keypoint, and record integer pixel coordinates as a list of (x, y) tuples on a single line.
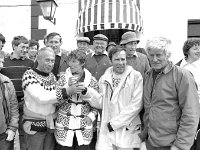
[(108, 14)]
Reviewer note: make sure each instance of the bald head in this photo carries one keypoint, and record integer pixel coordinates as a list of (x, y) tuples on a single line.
[(43, 52), (45, 59)]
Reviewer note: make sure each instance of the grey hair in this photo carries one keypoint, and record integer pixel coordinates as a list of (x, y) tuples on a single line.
[(44, 49), (159, 43)]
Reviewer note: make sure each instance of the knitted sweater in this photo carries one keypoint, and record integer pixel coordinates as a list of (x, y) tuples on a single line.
[(14, 69), (71, 114), (40, 95)]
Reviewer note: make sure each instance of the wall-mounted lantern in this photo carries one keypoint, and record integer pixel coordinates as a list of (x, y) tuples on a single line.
[(48, 8)]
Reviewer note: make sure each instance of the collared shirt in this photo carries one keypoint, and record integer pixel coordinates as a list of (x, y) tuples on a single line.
[(134, 55), (59, 54), (139, 62), (174, 96)]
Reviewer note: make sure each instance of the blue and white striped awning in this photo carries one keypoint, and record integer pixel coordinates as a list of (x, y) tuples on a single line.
[(108, 14)]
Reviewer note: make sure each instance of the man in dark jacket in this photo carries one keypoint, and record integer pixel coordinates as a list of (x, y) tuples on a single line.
[(54, 40), (9, 113), (98, 61), (171, 101)]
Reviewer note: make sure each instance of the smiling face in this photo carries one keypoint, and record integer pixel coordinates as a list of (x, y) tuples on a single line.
[(194, 53), (119, 62), (99, 46), (32, 51), (21, 49)]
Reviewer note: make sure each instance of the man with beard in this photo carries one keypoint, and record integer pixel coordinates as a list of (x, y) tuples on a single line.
[(135, 59), (98, 61)]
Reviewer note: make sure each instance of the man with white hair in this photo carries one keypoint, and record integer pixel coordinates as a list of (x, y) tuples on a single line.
[(170, 101)]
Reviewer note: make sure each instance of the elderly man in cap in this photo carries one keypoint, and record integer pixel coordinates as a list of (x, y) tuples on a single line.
[(83, 44), (98, 61), (135, 59)]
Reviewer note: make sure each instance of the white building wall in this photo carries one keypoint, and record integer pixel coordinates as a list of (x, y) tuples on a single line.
[(169, 18), (14, 20), (161, 18), (66, 17)]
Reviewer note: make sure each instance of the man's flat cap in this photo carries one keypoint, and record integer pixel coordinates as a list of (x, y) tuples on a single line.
[(100, 37), (83, 39)]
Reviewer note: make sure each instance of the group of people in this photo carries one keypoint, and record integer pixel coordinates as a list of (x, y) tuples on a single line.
[(104, 97)]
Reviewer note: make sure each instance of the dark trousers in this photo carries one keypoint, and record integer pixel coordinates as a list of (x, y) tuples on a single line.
[(150, 147), (196, 144), (40, 141), (22, 141), (6, 145), (75, 146), (94, 140)]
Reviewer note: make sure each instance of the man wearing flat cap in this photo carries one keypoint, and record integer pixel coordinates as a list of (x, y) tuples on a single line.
[(83, 44), (98, 61), (137, 60)]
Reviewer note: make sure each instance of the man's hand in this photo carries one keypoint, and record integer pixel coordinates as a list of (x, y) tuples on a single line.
[(72, 80), (11, 135), (173, 147), (75, 89), (88, 120)]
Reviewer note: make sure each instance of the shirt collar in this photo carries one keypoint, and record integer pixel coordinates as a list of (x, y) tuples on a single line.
[(59, 54), (134, 55), (165, 70), (104, 53)]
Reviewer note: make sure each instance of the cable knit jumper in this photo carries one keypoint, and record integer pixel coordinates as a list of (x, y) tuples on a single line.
[(71, 114)]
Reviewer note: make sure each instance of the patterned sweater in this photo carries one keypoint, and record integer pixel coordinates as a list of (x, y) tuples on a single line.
[(41, 95), (71, 114)]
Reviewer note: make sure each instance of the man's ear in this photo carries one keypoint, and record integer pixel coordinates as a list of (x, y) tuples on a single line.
[(14, 47), (61, 43)]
